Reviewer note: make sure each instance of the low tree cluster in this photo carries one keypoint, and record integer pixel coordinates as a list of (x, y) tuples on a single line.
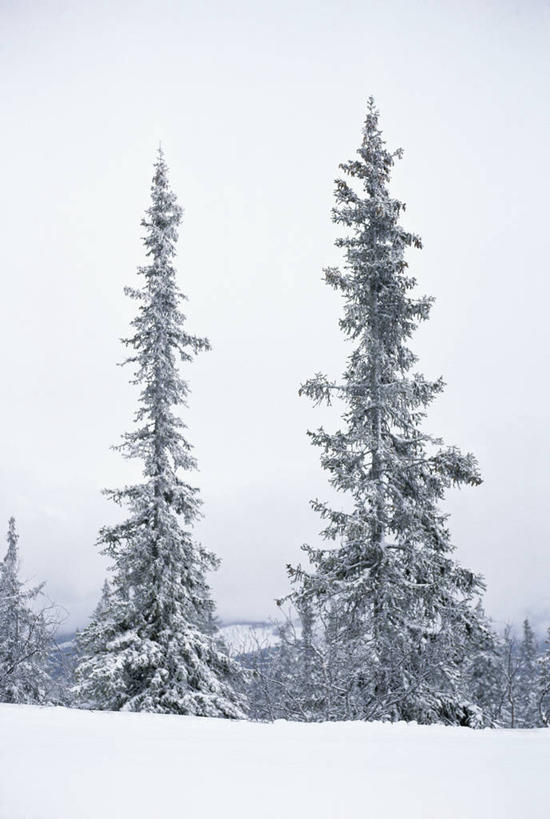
[(312, 676)]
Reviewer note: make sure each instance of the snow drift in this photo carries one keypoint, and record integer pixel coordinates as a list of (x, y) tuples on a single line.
[(57, 763)]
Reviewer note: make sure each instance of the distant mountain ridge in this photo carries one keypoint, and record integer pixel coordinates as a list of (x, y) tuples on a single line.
[(241, 637)]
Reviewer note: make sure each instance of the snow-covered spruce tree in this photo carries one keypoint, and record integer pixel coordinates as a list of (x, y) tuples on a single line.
[(511, 671), (151, 645), (487, 673), (543, 684), (392, 567), (528, 712), (26, 634), (90, 644)]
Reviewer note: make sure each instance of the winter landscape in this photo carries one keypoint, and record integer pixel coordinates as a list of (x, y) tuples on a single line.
[(276, 539)]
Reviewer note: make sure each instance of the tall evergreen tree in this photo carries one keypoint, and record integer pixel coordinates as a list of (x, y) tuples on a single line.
[(26, 634), (543, 684), (487, 673), (152, 645), (528, 713), (392, 568), (511, 668)]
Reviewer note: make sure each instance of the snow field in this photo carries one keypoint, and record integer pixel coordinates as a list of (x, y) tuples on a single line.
[(58, 763)]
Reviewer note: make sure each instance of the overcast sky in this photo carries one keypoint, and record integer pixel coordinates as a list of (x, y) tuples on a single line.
[(256, 104)]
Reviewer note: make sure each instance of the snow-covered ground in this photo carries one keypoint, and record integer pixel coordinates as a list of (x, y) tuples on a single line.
[(61, 764)]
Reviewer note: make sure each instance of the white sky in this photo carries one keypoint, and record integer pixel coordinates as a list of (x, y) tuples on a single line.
[(256, 104)]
